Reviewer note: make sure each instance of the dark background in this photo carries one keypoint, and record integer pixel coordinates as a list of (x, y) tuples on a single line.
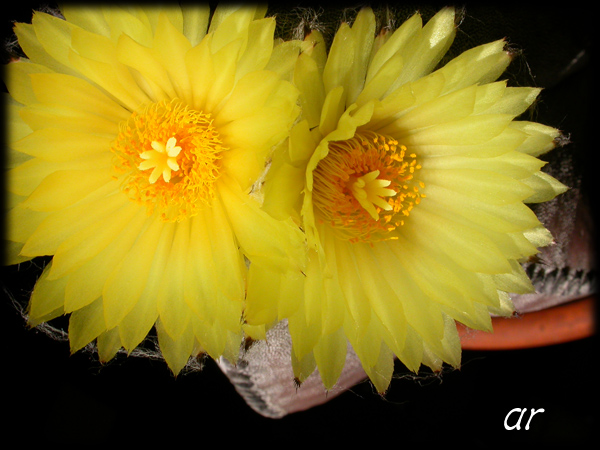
[(54, 397)]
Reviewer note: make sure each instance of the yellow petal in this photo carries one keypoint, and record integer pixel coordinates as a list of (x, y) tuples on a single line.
[(301, 144), (291, 294), (126, 284), (333, 302), (52, 144), (271, 295), (366, 341), (86, 18), (516, 282), (18, 81), (412, 353), (545, 187), (231, 22), (379, 292), (363, 34), (315, 47), (257, 333), (264, 289), (48, 296), (75, 93), (225, 251), (91, 240), (505, 218), (339, 61), (257, 55), (108, 344), (29, 43), (176, 352), (95, 57), (515, 100), (87, 282), (513, 164), (466, 131), (283, 58), (540, 138), (448, 349), (248, 96), (225, 64), (312, 92), (172, 309), (490, 187), (138, 322), (201, 73), (85, 325), (16, 129), (136, 325), (215, 339), (283, 188), (12, 253), (444, 109), (394, 45), (54, 35), (333, 107), (257, 134), (350, 280), (142, 59), (132, 23), (408, 96), (57, 227), (264, 240), (21, 222), (428, 47), (215, 277), (539, 236), (304, 337), (381, 373), (508, 140), (314, 293), (26, 177), (303, 367), (201, 290), (479, 65), (64, 188), (330, 356), (170, 47), (195, 22), (380, 83), (478, 253), (50, 116), (445, 282), (418, 309)]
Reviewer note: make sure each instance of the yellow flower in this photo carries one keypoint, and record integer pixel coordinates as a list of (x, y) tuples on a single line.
[(410, 186), (136, 137)]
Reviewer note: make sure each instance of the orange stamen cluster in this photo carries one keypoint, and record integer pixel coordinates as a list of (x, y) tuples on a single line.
[(169, 158), (365, 187)]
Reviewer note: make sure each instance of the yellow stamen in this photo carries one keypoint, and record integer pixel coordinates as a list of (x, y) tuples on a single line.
[(168, 157), (365, 187)]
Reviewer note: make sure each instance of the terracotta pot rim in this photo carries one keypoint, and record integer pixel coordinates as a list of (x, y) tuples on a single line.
[(564, 323)]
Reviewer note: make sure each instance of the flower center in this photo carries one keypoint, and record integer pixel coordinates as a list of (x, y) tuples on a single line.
[(365, 187), (168, 157)]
